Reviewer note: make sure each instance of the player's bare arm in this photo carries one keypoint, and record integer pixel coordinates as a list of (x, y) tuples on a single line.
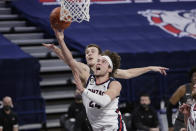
[(178, 94), (59, 53), (78, 82), (68, 58), (134, 72), (114, 89)]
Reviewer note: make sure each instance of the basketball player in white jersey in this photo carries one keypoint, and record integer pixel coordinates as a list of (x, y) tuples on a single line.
[(101, 95), (189, 111)]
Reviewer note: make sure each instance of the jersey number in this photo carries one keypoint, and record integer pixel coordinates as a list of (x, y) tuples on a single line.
[(94, 105)]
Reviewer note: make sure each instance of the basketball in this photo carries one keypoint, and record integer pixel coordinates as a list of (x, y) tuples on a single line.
[(55, 20)]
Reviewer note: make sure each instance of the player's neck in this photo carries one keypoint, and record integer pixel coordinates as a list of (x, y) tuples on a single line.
[(93, 68), (101, 79)]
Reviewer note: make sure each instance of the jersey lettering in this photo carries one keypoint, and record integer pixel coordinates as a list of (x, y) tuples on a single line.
[(94, 105), (96, 91)]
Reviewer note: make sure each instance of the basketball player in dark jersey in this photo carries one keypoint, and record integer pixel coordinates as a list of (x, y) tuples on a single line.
[(180, 96)]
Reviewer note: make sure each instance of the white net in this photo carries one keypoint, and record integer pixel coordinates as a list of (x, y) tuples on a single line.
[(75, 10)]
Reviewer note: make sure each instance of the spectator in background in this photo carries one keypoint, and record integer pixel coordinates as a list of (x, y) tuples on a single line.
[(8, 119), (77, 111), (126, 109), (181, 95), (77, 119), (144, 117)]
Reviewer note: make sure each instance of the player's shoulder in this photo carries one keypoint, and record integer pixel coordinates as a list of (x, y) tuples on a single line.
[(114, 82)]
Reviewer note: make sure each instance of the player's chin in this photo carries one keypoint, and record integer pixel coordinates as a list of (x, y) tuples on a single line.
[(97, 73), (91, 63)]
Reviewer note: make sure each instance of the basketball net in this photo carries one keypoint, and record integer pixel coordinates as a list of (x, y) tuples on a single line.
[(75, 10)]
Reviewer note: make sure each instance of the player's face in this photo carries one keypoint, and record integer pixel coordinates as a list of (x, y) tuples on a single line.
[(102, 67), (145, 100), (194, 92), (91, 55)]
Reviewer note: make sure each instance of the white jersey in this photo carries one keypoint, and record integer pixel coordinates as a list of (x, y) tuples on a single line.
[(102, 117), (191, 124)]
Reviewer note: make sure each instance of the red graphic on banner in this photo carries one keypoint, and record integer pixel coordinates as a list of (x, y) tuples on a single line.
[(179, 23)]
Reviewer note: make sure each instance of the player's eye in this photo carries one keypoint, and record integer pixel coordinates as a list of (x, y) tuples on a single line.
[(104, 61), (92, 51)]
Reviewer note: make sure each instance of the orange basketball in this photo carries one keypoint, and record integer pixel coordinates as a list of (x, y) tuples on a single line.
[(55, 20)]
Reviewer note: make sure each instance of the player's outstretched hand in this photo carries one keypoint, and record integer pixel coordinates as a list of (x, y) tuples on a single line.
[(78, 81), (50, 46), (55, 49), (162, 70)]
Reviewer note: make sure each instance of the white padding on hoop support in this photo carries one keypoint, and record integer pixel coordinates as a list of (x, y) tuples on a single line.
[(75, 10)]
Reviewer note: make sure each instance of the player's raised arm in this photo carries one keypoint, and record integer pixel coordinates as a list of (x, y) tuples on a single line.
[(134, 72), (68, 58), (59, 53)]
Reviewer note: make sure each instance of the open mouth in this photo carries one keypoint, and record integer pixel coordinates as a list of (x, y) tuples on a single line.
[(98, 68), (90, 59)]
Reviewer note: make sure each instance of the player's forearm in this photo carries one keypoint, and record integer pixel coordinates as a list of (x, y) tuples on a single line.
[(131, 73), (138, 71), (59, 53), (78, 81), (101, 100), (68, 58)]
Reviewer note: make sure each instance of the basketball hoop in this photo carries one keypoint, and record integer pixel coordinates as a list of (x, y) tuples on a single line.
[(75, 10)]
